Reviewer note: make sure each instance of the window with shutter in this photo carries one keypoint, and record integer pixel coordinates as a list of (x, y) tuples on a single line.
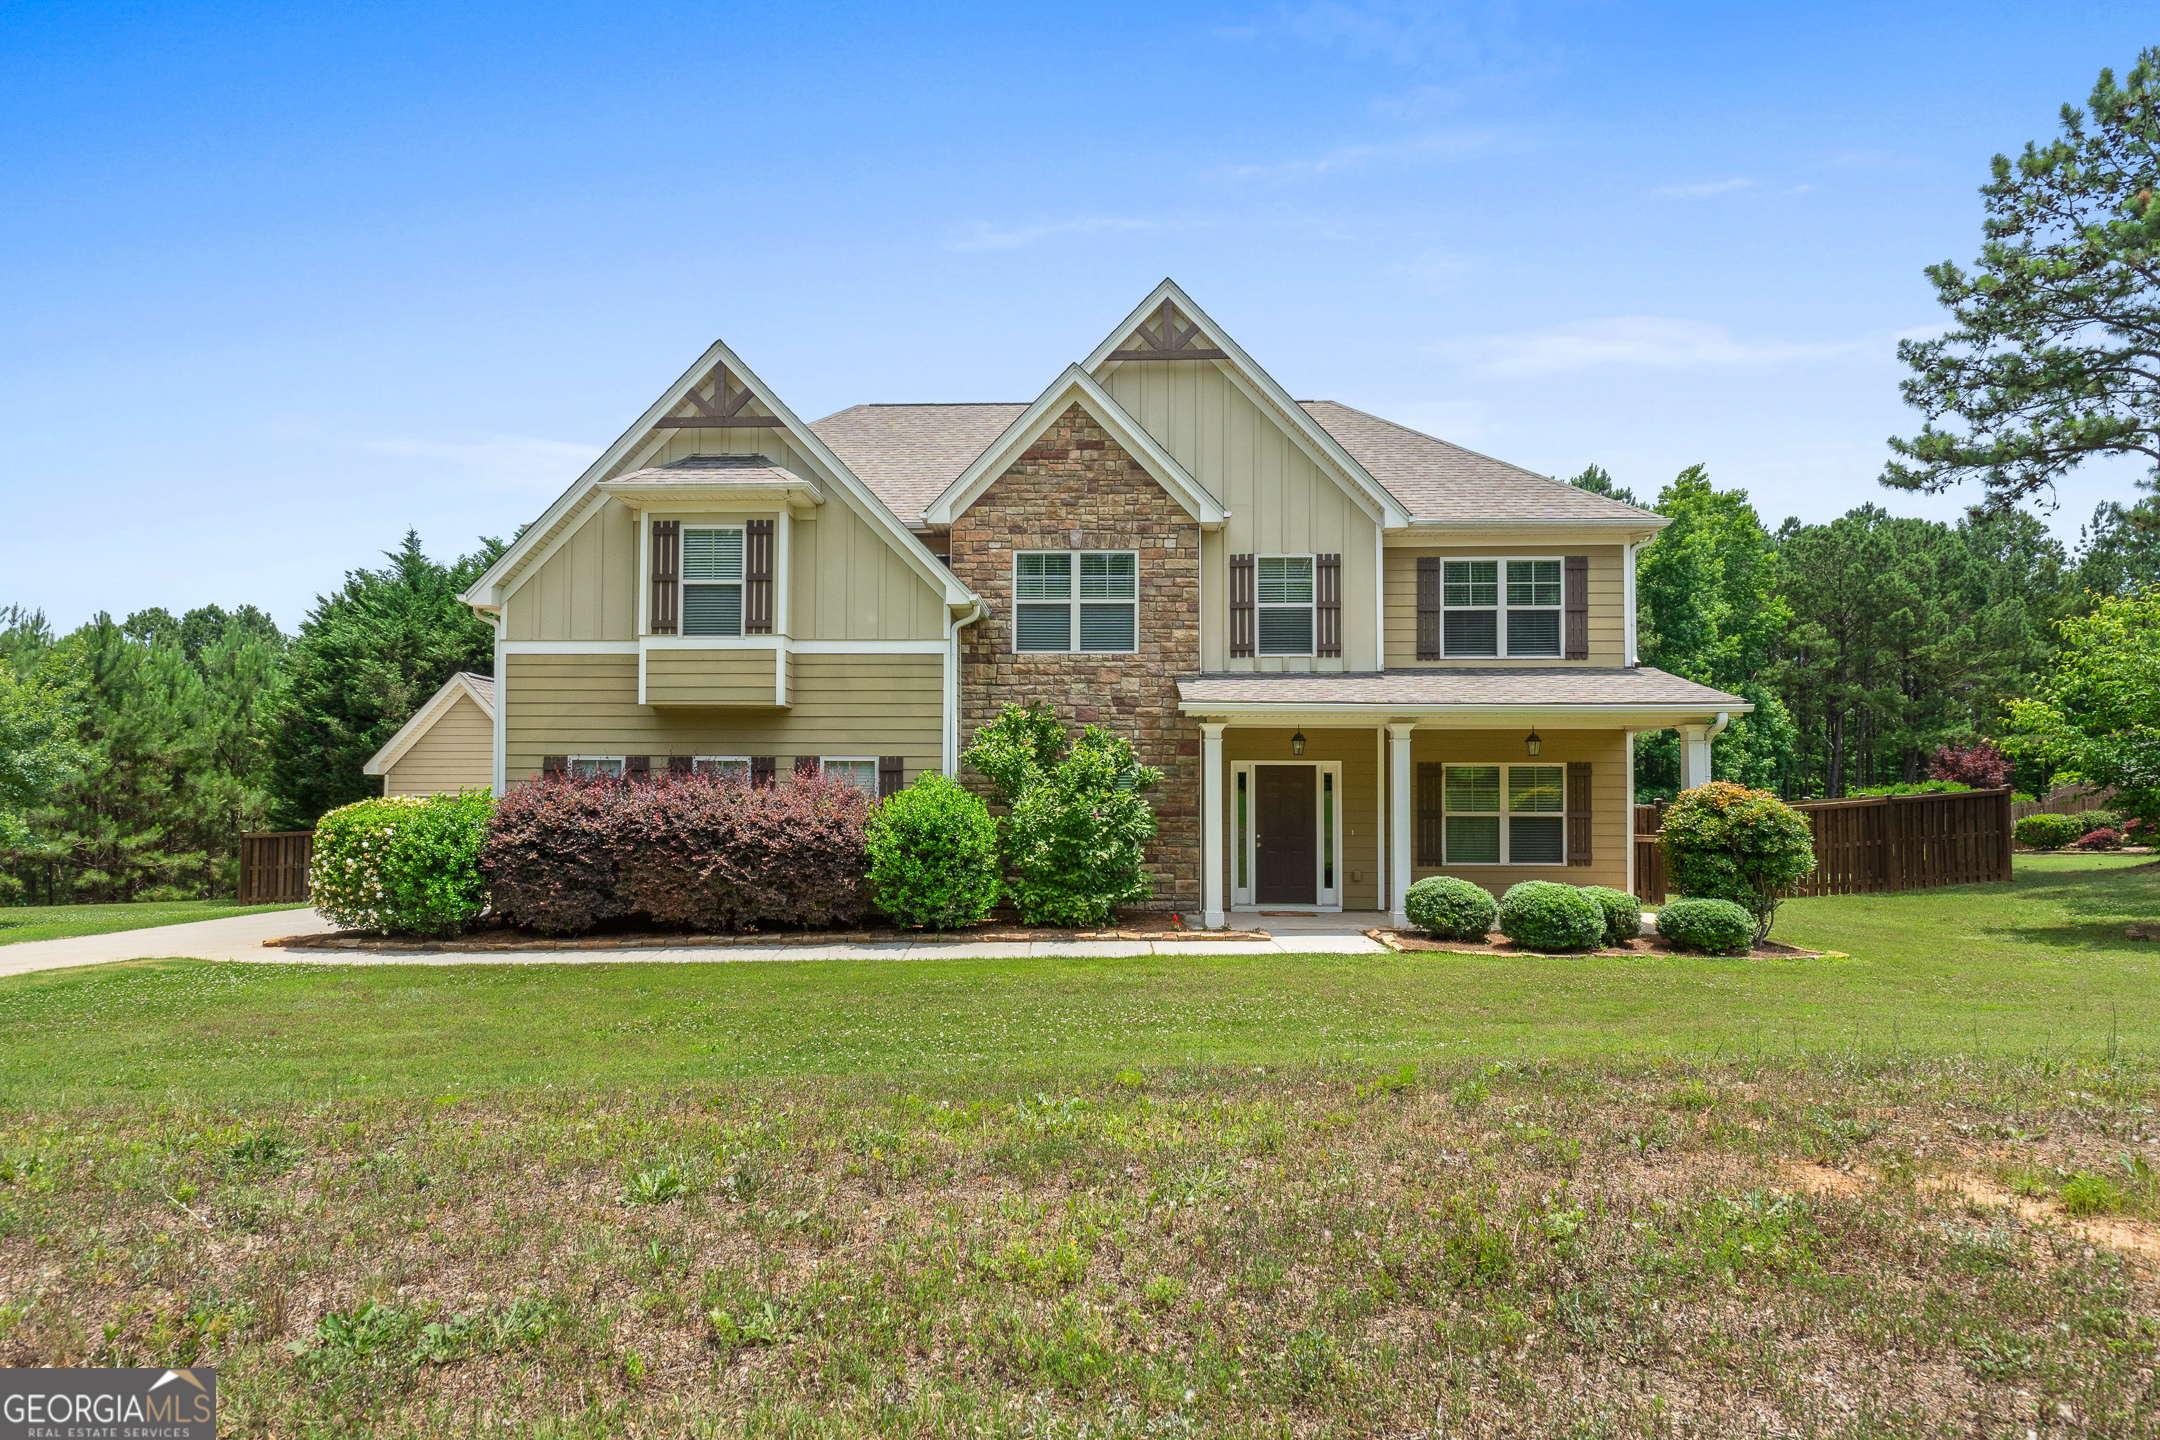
[(1428, 607), (1504, 814), (666, 552), (721, 764), (1578, 812), (1577, 593), (758, 578), (637, 765), (1327, 605), (1241, 605), (1498, 608), (712, 580), (1283, 595)]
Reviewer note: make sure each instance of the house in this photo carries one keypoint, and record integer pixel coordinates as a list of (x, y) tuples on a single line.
[(448, 745), (1359, 654)]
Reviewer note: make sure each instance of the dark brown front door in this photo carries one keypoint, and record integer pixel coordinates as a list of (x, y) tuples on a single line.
[(1288, 867)]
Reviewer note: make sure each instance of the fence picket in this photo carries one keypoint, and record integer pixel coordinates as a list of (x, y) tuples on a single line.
[(274, 866)]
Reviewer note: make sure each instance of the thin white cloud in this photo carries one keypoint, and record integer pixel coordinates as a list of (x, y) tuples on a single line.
[(520, 463), (986, 235), (1433, 146), (1644, 341), (1702, 189)]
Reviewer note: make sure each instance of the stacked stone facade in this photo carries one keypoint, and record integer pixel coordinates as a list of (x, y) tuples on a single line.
[(1078, 489)]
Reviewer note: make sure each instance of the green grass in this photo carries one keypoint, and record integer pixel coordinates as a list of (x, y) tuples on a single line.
[(58, 922), (2038, 965)]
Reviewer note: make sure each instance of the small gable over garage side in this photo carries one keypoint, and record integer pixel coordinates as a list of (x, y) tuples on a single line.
[(447, 746)]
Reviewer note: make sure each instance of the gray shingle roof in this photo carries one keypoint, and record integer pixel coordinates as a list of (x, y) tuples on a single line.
[(908, 454), (712, 470), (1422, 689), (485, 684), (1435, 480)]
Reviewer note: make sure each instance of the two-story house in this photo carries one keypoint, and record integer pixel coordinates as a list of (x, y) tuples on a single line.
[(1359, 654)]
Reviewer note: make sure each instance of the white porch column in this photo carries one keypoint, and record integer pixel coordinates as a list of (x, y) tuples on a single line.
[(1695, 750), (1399, 849), (1211, 824)]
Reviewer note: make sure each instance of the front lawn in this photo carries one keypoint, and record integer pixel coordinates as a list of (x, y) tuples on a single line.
[(56, 922)]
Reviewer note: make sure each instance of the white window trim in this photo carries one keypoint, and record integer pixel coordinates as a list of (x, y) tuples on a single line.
[(870, 760), (1499, 608), (683, 582), (1504, 814), (1311, 607), (1244, 856), (622, 763), (697, 760), (1073, 602)]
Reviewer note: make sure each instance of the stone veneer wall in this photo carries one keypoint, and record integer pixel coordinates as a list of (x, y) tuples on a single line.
[(1077, 489)]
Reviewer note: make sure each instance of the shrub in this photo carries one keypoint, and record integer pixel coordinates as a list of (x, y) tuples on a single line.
[(1727, 842), (1546, 916), (550, 858), (1917, 787), (1717, 926), (2100, 840), (402, 864), (1623, 913), (1983, 766), (2047, 832), (2092, 820), (1448, 908), (934, 855), (1076, 835)]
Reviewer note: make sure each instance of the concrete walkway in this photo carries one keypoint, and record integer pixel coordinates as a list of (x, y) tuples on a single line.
[(241, 938)]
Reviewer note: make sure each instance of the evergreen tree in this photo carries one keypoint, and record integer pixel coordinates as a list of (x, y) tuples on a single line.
[(1595, 479)]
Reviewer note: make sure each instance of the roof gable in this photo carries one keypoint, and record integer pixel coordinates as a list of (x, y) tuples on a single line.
[(480, 689)]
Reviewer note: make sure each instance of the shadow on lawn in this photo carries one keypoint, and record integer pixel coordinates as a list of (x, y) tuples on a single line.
[(2094, 906)]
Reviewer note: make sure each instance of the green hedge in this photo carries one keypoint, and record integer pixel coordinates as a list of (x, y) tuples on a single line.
[(1717, 926), (1549, 916), (934, 855), (1448, 908), (402, 864), (1623, 913), (2047, 832)]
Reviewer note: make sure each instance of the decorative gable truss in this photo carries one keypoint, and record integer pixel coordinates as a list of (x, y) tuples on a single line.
[(1168, 340), (717, 411)]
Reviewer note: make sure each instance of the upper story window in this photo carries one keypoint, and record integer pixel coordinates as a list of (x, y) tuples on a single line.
[(1500, 608), (1283, 586), (1068, 600), (712, 579)]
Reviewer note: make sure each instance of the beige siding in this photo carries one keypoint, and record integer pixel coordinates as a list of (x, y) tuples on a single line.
[(842, 705), (1608, 590), (587, 589), (1611, 812), (456, 753), (1280, 500), (1361, 819), (848, 583), (710, 677)]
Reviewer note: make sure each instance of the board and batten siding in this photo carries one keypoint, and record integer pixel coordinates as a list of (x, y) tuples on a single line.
[(841, 705), (1280, 501), (456, 753), (587, 589), (1608, 590), (1612, 814)]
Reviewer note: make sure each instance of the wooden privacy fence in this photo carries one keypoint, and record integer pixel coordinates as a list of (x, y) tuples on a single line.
[(2061, 802), (274, 866), (1875, 843)]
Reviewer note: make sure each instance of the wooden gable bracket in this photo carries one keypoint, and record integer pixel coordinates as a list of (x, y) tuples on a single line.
[(718, 413), (1168, 341)]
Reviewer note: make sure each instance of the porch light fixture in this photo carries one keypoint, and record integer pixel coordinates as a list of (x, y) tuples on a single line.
[(1297, 743), (1533, 744)]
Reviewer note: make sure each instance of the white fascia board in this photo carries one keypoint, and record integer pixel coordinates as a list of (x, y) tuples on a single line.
[(1348, 472), (1076, 385), (1422, 532), (1464, 717), (423, 720)]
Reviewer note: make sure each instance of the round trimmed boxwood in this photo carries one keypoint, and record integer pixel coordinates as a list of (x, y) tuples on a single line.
[(2047, 832), (1717, 926), (1548, 916), (1448, 908), (934, 855), (1623, 913)]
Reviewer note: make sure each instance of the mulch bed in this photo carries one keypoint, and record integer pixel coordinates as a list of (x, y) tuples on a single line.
[(623, 935), (1648, 945)]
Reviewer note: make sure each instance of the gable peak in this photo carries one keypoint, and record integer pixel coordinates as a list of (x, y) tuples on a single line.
[(725, 408), (1168, 337)]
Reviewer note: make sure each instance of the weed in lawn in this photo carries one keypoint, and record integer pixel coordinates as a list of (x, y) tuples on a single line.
[(2088, 1194), (655, 1185)]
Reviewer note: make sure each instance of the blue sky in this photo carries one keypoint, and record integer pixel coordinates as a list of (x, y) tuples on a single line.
[(278, 283)]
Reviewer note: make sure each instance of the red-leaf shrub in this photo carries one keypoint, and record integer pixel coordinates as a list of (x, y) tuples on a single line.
[(708, 851), (2101, 840), (1983, 766)]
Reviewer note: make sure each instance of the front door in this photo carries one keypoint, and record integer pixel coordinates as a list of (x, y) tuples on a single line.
[(1283, 836)]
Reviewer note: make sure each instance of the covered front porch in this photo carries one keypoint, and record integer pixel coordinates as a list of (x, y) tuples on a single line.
[(1332, 794)]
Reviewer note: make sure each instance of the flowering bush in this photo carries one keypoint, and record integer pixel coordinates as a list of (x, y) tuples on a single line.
[(405, 864), (1727, 842), (934, 855), (1983, 766)]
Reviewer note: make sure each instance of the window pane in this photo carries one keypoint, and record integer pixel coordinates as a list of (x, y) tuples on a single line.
[(862, 772), (712, 554), (1327, 831), (1473, 839), (1285, 630), (1470, 632), (1535, 841), (1533, 632), (1043, 576), (1240, 847), (1106, 627), (1533, 582), (1043, 627), (1470, 582), (712, 609), (1285, 579), (1542, 788), (706, 765), (609, 768), (1107, 577), (1473, 787)]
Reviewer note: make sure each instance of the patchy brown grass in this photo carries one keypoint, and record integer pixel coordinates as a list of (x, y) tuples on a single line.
[(1513, 1249)]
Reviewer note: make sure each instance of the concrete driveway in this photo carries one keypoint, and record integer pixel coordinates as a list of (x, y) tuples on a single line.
[(237, 937)]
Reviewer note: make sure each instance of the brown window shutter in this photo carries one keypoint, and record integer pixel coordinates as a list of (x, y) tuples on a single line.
[(761, 771), (1427, 848), (637, 765), (1428, 607), (758, 577), (1578, 812), (555, 764), (1241, 605), (806, 764), (890, 770), (1327, 605), (1575, 594), (666, 570), (678, 765)]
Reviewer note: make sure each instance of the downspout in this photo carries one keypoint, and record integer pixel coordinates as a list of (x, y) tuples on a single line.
[(953, 625)]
